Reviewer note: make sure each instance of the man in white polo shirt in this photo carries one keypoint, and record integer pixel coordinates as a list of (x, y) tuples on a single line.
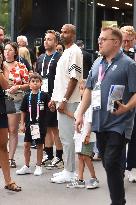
[(66, 95)]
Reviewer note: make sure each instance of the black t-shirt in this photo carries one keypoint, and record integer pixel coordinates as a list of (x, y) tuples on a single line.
[(87, 63), (52, 69), (43, 106)]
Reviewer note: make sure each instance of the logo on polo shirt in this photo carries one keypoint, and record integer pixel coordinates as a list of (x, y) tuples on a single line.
[(114, 67)]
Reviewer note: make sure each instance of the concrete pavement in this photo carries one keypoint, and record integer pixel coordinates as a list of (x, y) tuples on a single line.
[(39, 191)]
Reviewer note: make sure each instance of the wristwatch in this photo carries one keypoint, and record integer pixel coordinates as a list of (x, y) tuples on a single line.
[(64, 100)]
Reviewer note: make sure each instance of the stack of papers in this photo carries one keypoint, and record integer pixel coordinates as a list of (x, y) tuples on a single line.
[(115, 94)]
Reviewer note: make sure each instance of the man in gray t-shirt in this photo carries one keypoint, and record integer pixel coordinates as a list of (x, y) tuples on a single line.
[(113, 68)]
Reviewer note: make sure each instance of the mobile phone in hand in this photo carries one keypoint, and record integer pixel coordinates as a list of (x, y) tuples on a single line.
[(116, 106)]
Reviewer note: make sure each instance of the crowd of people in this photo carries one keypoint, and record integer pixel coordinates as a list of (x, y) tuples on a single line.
[(55, 106)]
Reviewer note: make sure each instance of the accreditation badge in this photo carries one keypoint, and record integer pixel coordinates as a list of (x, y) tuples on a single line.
[(44, 86), (96, 97), (35, 131)]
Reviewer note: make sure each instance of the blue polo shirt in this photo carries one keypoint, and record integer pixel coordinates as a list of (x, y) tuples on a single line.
[(121, 71)]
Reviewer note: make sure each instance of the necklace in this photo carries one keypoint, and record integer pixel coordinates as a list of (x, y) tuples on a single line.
[(10, 61)]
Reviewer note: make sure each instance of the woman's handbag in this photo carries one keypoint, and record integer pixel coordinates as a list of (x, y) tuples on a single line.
[(10, 100), (16, 96), (10, 106)]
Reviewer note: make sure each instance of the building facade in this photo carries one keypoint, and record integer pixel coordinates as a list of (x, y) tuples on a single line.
[(32, 18)]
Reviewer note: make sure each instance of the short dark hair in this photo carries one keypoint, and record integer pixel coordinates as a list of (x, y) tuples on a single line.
[(35, 76)]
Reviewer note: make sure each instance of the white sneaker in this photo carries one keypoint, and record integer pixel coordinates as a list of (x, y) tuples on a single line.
[(93, 183), (59, 173), (24, 170), (38, 171), (131, 176), (63, 178)]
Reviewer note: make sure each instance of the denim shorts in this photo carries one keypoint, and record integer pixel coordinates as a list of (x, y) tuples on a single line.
[(18, 106)]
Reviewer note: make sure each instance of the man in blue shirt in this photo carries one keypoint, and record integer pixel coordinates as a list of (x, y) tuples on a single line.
[(112, 68)]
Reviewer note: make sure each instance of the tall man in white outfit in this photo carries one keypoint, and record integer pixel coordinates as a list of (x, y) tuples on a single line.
[(66, 96)]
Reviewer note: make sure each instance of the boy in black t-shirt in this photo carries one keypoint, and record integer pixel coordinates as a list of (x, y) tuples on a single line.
[(33, 123)]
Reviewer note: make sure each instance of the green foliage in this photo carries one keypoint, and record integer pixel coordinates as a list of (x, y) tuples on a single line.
[(5, 14)]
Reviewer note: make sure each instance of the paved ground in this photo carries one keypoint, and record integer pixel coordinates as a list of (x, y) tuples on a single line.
[(39, 190)]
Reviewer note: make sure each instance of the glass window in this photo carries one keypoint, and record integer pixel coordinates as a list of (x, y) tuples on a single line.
[(84, 22), (72, 11), (89, 24), (81, 20)]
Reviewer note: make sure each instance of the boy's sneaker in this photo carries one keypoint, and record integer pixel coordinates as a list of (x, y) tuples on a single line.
[(56, 163), (24, 170), (38, 171), (76, 184), (93, 183)]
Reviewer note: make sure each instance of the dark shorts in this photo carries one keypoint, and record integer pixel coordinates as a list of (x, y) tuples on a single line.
[(52, 119), (28, 137), (3, 121)]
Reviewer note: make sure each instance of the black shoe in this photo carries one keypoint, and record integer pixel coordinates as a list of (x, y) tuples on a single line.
[(12, 163), (56, 163)]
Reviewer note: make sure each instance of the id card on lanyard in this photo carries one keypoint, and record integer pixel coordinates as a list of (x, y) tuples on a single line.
[(34, 128), (96, 92), (44, 86), (35, 131)]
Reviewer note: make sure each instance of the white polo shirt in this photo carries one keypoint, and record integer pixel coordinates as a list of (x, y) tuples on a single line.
[(70, 65)]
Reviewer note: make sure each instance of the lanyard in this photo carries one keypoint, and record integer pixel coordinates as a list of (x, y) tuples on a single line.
[(48, 63), (38, 105), (102, 72)]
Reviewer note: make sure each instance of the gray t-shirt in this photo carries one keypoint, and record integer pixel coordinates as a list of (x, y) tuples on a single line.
[(122, 71)]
